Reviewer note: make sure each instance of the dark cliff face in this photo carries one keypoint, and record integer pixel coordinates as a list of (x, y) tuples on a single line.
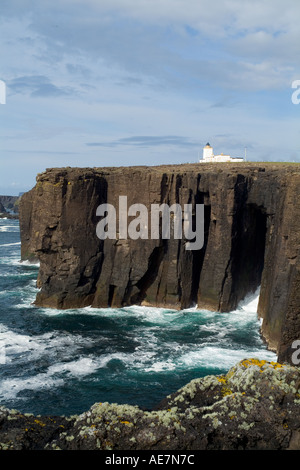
[(251, 238)]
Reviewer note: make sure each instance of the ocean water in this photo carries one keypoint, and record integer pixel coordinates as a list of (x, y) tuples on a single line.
[(63, 361)]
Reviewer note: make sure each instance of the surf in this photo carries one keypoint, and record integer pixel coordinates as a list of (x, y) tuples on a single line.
[(63, 361)]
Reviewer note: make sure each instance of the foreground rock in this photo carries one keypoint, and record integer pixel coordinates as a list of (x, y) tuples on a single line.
[(254, 406)]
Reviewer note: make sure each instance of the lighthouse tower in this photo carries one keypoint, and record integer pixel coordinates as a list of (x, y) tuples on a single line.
[(208, 154)]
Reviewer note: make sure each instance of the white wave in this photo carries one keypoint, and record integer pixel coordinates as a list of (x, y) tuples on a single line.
[(80, 367), (16, 344), (12, 260), (10, 388), (16, 274), (29, 263), (148, 314), (217, 357), (11, 244), (161, 366), (211, 327), (15, 261), (19, 346), (56, 351), (154, 315), (56, 375), (250, 302), (58, 348), (205, 357), (9, 228)]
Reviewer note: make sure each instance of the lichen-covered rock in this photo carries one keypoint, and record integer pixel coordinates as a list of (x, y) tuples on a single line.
[(20, 431), (254, 406)]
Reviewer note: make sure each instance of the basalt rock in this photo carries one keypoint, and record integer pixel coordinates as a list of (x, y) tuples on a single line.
[(255, 406), (251, 239)]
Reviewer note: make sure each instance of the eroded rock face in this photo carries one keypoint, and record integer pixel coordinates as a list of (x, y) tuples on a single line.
[(252, 227), (254, 406)]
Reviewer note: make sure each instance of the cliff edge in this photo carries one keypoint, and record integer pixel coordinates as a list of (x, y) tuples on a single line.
[(251, 239)]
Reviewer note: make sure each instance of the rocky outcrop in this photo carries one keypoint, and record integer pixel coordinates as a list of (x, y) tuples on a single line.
[(255, 406), (9, 207), (251, 238), (10, 203)]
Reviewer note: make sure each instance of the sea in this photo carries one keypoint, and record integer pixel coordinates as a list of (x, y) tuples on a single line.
[(60, 362)]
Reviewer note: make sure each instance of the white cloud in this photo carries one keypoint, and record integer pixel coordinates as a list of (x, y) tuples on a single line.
[(151, 38)]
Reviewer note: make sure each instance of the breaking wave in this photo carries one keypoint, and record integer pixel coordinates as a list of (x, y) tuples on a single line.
[(63, 361)]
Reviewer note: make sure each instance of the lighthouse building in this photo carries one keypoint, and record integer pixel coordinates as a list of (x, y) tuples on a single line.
[(209, 157)]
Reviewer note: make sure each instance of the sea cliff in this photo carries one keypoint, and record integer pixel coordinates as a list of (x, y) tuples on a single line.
[(251, 239)]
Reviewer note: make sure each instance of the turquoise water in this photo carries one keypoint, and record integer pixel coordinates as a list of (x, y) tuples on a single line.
[(61, 362)]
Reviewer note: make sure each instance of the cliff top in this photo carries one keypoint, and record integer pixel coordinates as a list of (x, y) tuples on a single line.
[(233, 168)]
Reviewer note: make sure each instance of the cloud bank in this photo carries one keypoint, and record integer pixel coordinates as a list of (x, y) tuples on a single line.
[(124, 82)]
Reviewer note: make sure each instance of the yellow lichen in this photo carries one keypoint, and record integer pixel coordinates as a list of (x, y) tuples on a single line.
[(221, 379), (224, 390), (37, 421), (253, 362), (261, 363), (276, 365)]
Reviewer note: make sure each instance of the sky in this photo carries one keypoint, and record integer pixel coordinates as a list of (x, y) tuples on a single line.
[(97, 83)]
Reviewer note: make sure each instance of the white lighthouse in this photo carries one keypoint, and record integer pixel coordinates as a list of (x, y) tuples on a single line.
[(208, 154), (209, 157)]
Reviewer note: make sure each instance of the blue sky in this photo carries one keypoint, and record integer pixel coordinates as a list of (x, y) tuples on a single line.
[(145, 82)]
